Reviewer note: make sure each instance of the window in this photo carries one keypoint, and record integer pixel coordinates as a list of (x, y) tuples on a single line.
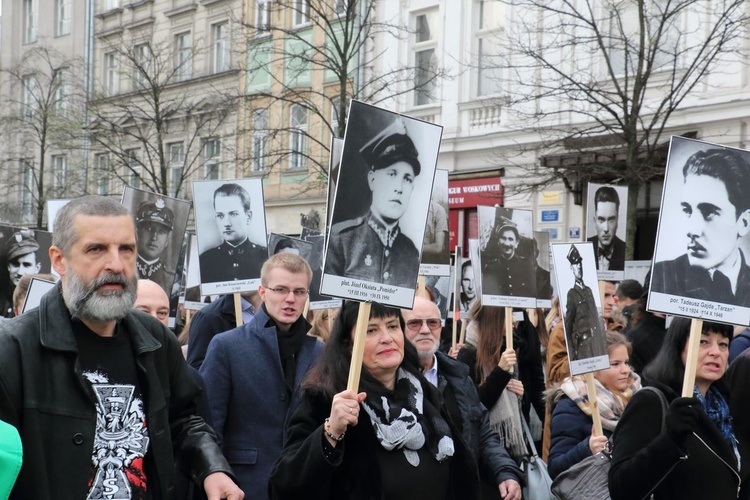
[(184, 56), (489, 22), (28, 98), (60, 85), (176, 151), (112, 74), (262, 16), (133, 168), (425, 59), (212, 157), (220, 43), (297, 137), (301, 12), (63, 17), (102, 174), (27, 194), (59, 172), (260, 138), (111, 4), (30, 20), (142, 69)]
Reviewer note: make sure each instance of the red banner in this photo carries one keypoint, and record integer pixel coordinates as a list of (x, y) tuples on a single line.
[(469, 193)]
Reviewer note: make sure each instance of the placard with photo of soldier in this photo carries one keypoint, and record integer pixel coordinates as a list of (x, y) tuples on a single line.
[(318, 301), (160, 224), (230, 222), (506, 256), (606, 227), (543, 269), (278, 243), (380, 207), (435, 252), (580, 303), (700, 261), (22, 251)]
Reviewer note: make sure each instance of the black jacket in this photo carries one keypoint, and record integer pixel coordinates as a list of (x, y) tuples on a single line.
[(471, 417), (644, 457), (213, 319), (44, 395), (303, 471)]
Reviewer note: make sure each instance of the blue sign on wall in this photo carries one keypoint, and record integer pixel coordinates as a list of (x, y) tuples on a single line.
[(574, 232), (550, 215)]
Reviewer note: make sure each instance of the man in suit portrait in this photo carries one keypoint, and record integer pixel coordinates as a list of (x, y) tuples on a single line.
[(373, 247), (504, 270), (583, 327), (237, 257), (716, 206), (609, 250)]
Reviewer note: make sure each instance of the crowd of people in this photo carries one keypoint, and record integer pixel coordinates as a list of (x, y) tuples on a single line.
[(105, 404)]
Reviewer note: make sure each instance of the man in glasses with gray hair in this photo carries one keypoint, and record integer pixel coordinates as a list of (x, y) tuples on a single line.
[(497, 469)]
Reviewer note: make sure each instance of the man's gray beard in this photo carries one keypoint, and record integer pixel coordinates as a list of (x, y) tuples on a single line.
[(84, 302), (428, 354)]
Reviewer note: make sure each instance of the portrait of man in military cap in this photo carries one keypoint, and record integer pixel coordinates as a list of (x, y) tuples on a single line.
[(160, 224), (24, 252), (231, 231), (382, 200), (575, 268), (507, 266)]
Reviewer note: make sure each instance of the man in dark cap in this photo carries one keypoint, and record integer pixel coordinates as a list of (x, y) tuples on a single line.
[(237, 258), (583, 327), (504, 271), (372, 247), (20, 252), (154, 222)]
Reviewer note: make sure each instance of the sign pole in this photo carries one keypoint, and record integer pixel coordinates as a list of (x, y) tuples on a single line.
[(691, 362), (358, 347), (594, 404), (238, 308)]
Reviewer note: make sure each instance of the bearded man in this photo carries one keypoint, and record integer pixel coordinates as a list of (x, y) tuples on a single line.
[(99, 392)]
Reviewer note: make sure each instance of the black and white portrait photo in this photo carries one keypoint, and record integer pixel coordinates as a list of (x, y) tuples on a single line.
[(278, 243), (230, 223), (160, 224), (24, 251), (580, 303), (435, 252), (318, 301), (542, 265), (381, 206), (606, 225), (507, 258), (700, 261)]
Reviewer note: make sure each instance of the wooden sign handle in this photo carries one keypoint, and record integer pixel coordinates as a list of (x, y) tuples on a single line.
[(307, 307), (462, 337), (594, 404), (238, 309), (358, 347), (508, 328), (187, 316), (421, 287), (694, 344)]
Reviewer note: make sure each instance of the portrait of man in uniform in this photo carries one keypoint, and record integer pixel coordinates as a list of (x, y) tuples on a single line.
[(609, 249), (236, 257), (583, 326), (23, 254), (435, 251), (714, 206), (506, 270), (154, 222)]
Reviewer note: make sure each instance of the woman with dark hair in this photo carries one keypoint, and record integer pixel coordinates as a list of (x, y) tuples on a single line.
[(691, 450), (571, 425), (393, 439)]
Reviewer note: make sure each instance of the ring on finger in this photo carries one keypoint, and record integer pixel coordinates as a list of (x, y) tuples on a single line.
[(351, 411)]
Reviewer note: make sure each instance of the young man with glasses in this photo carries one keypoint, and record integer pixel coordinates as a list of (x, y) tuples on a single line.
[(451, 377), (252, 373)]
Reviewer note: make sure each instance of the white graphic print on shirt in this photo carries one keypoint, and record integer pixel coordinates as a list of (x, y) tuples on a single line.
[(120, 442)]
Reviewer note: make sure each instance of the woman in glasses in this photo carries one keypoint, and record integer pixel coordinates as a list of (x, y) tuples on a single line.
[(391, 439)]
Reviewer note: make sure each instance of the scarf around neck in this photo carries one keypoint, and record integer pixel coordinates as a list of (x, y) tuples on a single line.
[(611, 404), (718, 411), (403, 419)]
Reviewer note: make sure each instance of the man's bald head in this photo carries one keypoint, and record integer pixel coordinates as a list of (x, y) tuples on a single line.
[(153, 300), (425, 339)]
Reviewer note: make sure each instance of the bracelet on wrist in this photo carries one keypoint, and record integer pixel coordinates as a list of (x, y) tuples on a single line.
[(327, 430)]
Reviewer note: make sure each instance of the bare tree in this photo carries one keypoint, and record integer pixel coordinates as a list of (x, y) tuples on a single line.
[(42, 151), (155, 127), (601, 80), (315, 56)]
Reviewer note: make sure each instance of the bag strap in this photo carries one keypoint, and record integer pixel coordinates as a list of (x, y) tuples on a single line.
[(529, 437), (662, 399)]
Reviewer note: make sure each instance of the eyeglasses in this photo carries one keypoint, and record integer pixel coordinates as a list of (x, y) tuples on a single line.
[(284, 291), (416, 324)]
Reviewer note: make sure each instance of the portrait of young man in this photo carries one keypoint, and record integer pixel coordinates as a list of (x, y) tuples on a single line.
[(24, 252), (704, 221), (227, 210), (381, 203), (607, 207)]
